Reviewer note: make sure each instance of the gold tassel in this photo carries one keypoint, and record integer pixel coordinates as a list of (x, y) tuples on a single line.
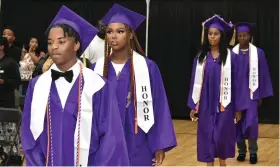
[(222, 108), (232, 41), (202, 35), (84, 60)]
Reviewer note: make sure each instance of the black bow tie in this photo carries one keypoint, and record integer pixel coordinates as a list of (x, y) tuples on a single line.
[(68, 75)]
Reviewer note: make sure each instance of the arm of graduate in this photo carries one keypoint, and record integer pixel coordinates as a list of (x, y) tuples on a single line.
[(109, 133), (265, 85), (234, 81), (161, 135), (32, 150), (191, 104), (13, 80)]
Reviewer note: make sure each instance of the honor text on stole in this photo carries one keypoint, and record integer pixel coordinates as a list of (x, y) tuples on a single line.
[(145, 103), (254, 73), (226, 88)]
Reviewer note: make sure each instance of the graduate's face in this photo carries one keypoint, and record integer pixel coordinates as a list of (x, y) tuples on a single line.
[(61, 47), (117, 36), (243, 38), (9, 34), (214, 36)]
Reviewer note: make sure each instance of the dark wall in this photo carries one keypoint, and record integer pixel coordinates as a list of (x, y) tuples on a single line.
[(174, 35)]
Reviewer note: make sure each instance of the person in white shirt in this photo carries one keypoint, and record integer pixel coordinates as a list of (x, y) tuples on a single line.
[(95, 49), (71, 114)]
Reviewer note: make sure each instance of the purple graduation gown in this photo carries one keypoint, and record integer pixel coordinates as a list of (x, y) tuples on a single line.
[(142, 146), (216, 130), (247, 127), (107, 147)]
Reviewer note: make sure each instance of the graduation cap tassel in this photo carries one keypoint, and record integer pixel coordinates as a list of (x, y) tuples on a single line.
[(252, 39), (232, 41), (84, 60), (202, 34)]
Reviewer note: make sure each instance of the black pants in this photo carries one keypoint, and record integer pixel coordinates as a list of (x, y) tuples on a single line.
[(242, 147)]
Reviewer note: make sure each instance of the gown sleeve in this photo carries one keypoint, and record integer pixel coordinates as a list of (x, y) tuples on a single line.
[(107, 131), (161, 136)]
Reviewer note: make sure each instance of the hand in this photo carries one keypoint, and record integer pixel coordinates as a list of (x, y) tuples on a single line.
[(23, 50), (192, 113), (42, 54), (260, 102), (238, 116), (31, 48), (1, 81), (159, 157)]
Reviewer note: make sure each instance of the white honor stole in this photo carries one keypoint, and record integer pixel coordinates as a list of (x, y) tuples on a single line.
[(92, 84), (253, 67), (225, 83), (144, 100)]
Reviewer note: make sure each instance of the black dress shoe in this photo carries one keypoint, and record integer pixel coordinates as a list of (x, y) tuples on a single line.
[(253, 158), (241, 157)]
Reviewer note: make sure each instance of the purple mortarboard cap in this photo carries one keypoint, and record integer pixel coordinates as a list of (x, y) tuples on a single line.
[(120, 14), (217, 22), (86, 31), (244, 27)]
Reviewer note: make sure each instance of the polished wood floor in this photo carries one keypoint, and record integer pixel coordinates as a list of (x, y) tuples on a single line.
[(185, 153)]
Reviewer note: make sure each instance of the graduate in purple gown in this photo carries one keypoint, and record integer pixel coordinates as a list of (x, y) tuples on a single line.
[(71, 113), (253, 85), (141, 96), (211, 94)]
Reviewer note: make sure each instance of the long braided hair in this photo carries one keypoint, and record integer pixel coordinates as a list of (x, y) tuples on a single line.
[(133, 44)]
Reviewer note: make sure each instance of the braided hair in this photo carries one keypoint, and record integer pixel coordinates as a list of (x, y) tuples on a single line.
[(133, 44)]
